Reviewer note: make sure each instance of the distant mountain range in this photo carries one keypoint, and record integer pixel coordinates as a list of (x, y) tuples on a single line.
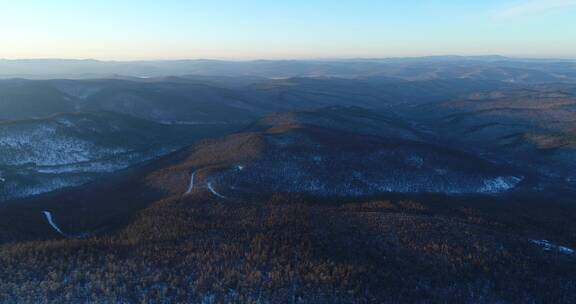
[(423, 68), (71, 124), (191, 99)]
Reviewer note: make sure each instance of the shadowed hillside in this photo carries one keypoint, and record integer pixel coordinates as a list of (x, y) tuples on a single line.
[(176, 230), (534, 128)]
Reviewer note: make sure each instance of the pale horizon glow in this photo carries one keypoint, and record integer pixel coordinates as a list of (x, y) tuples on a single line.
[(297, 29), (534, 7)]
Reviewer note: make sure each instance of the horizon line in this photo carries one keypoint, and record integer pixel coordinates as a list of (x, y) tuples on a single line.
[(290, 58)]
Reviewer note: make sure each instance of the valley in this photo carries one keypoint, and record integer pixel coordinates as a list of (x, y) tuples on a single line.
[(434, 180)]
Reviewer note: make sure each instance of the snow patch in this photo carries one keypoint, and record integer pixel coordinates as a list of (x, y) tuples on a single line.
[(16, 190), (50, 220), (65, 122), (500, 183), (78, 91), (441, 171), (47, 145), (415, 161), (547, 246), (191, 185), (191, 123), (214, 191)]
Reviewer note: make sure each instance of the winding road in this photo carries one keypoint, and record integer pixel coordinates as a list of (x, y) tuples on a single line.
[(208, 185), (214, 191), (50, 220), (191, 186)]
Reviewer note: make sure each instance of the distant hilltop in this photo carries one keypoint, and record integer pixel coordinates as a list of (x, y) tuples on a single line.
[(450, 66)]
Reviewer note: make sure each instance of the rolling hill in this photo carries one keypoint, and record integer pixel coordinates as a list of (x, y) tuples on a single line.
[(529, 127), (227, 220), (299, 158), (415, 180), (518, 70), (42, 155), (194, 100)]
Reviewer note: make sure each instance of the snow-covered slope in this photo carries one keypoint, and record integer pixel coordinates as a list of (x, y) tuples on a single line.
[(334, 163), (42, 155), (311, 153)]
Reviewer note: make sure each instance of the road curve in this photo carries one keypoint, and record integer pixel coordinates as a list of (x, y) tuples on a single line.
[(50, 220), (214, 191), (191, 185)]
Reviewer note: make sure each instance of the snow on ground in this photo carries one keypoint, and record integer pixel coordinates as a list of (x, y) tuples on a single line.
[(45, 145), (214, 191), (78, 90), (415, 161), (500, 184), (50, 220), (15, 189), (36, 179), (191, 186), (547, 246), (181, 122)]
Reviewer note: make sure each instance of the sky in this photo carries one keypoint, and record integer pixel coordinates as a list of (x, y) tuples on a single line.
[(283, 29)]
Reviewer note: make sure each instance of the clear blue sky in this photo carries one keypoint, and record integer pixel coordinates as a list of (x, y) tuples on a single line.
[(246, 29)]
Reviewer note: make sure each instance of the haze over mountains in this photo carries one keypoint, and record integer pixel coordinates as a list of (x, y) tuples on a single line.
[(505, 110), (352, 181), (417, 68)]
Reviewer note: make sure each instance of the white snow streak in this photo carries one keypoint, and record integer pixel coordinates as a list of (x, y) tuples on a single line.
[(51, 222), (547, 246), (214, 191), (191, 186)]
